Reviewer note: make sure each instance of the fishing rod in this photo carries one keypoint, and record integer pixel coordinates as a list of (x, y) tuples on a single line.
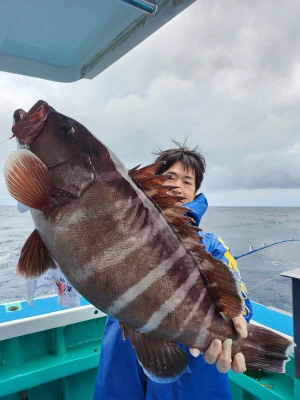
[(264, 246)]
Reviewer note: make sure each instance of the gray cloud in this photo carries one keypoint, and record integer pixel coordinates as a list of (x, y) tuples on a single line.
[(226, 73)]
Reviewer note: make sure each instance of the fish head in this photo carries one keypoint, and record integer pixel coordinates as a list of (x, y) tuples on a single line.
[(53, 137)]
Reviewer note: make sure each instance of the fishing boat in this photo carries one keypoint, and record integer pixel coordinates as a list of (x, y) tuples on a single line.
[(48, 351)]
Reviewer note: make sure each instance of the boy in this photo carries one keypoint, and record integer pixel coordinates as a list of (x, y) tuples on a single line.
[(120, 376)]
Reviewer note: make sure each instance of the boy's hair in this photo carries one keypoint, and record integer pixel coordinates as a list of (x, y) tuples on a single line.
[(191, 159)]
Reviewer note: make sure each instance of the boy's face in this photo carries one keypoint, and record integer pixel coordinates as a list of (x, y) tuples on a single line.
[(184, 179)]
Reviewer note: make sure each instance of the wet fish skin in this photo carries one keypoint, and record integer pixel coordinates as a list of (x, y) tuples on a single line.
[(118, 249)]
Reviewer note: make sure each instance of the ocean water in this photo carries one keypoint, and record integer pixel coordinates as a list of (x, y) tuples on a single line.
[(239, 227)]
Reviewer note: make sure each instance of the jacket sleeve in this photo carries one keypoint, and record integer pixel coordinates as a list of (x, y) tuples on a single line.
[(218, 249)]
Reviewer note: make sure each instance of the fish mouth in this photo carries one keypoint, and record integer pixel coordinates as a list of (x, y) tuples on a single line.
[(29, 125)]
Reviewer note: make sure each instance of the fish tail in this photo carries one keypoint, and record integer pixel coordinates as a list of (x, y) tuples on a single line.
[(266, 349)]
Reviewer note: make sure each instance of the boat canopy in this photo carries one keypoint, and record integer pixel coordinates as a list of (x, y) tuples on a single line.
[(69, 40)]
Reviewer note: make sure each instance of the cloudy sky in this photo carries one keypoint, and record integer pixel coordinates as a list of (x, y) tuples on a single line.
[(225, 73)]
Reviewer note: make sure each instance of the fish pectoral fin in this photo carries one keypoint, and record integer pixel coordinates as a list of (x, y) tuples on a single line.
[(28, 180), (35, 258), (161, 360)]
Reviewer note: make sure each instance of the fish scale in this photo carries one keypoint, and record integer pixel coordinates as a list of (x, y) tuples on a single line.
[(125, 245)]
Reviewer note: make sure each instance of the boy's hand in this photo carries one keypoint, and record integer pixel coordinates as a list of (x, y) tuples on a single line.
[(220, 353)]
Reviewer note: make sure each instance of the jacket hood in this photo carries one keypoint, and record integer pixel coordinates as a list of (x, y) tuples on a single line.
[(198, 207)]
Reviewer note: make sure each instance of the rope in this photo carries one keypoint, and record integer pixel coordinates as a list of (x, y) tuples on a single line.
[(262, 248), (261, 283)]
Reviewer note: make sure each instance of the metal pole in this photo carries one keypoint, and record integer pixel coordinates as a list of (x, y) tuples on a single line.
[(295, 275)]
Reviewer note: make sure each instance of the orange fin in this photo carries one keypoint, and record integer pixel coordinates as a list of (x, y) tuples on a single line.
[(219, 279), (35, 258), (139, 173), (132, 170), (149, 182), (153, 186), (161, 360), (220, 283), (28, 179)]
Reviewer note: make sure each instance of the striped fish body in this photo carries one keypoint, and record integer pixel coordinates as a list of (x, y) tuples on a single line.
[(117, 249), (111, 239)]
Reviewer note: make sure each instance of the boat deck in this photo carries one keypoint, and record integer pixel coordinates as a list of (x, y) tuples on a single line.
[(51, 352)]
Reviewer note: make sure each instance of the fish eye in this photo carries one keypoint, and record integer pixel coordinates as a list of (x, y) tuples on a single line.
[(66, 129)]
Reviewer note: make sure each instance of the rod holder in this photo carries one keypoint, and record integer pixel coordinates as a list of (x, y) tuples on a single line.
[(295, 275)]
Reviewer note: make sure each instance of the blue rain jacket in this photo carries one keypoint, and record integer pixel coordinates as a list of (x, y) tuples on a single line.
[(120, 376)]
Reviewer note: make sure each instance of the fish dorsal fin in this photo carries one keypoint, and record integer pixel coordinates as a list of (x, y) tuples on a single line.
[(28, 180), (35, 258), (218, 278), (143, 172), (161, 360)]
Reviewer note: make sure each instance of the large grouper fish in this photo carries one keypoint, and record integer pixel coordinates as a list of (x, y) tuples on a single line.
[(125, 245)]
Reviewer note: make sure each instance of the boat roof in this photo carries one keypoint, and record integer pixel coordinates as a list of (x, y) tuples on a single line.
[(68, 40)]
